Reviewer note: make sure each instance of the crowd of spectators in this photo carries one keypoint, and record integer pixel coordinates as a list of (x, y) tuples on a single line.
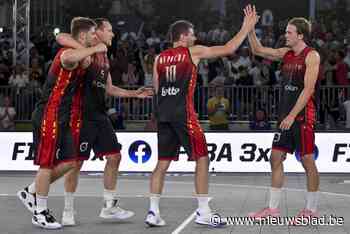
[(132, 56)]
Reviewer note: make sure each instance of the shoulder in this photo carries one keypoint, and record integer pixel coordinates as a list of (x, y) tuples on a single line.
[(312, 57)]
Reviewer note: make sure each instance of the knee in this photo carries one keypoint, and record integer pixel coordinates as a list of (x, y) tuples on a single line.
[(113, 161), (275, 163), (309, 164), (161, 168)]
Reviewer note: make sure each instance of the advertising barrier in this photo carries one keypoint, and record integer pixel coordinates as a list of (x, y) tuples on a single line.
[(228, 152)]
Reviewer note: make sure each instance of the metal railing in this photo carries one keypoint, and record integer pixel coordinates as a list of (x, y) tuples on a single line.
[(243, 101)]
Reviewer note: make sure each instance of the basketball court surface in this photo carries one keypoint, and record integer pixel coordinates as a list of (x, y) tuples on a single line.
[(233, 195)]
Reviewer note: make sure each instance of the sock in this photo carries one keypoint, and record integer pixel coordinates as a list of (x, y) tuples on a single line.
[(109, 196), (41, 203), (154, 203), (203, 203), (68, 201), (275, 197), (31, 188), (312, 201)]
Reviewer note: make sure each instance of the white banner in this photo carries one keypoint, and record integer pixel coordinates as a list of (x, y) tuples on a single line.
[(228, 152)]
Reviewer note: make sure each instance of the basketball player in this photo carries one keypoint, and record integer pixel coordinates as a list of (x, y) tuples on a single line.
[(297, 111), (55, 121), (97, 132), (175, 76)]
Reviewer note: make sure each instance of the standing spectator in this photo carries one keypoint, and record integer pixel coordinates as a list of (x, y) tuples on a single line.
[(218, 110), (346, 105), (119, 64), (341, 69), (7, 115), (147, 62), (131, 78)]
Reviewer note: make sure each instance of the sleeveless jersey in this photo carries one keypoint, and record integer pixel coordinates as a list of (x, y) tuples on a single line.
[(59, 99), (177, 80), (293, 73), (95, 87)]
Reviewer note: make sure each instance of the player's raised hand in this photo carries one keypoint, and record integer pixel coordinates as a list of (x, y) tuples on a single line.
[(250, 17)]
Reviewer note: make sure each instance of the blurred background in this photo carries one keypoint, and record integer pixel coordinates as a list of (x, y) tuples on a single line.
[(247, 86)]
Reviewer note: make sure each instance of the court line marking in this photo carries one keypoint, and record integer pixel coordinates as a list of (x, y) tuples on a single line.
[(188, 196), (185, 222), (192, 216)]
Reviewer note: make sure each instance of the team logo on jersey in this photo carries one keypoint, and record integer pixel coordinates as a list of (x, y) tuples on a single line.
[(171, 91), (83, 146), (291, 88), (140, 152)]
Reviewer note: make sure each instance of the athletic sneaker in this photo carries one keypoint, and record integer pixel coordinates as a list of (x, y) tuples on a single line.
[(306, 213), (210, 219), (273, 212), (28, 199), (68, 217), (115, 212), (45, 220), (154, 220)]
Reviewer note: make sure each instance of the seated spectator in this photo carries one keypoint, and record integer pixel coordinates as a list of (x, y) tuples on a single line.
[(19, 79), (260, 121), (218, 110), (7, 115)]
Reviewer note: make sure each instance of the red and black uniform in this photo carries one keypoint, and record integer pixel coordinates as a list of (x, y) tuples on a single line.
[(57, 116), (97, 132), (300, 137), (177, 121)]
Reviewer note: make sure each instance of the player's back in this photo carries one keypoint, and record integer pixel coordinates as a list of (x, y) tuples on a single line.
[(177, 80)]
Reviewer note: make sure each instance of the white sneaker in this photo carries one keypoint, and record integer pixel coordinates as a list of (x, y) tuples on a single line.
[(28, 199), (154, 220), (115, 212), (45, 220), (210, 219), (68, 218)]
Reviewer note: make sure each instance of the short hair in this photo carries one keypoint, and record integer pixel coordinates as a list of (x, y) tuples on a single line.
[(178, 28), (303, 26), (81, 24), (100, 22)]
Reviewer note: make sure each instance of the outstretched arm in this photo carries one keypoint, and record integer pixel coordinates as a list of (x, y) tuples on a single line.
[(200, 52), (256, 47), (119, 92)]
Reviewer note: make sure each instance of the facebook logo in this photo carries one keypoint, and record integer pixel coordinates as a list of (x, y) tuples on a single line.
[(140, 152)]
